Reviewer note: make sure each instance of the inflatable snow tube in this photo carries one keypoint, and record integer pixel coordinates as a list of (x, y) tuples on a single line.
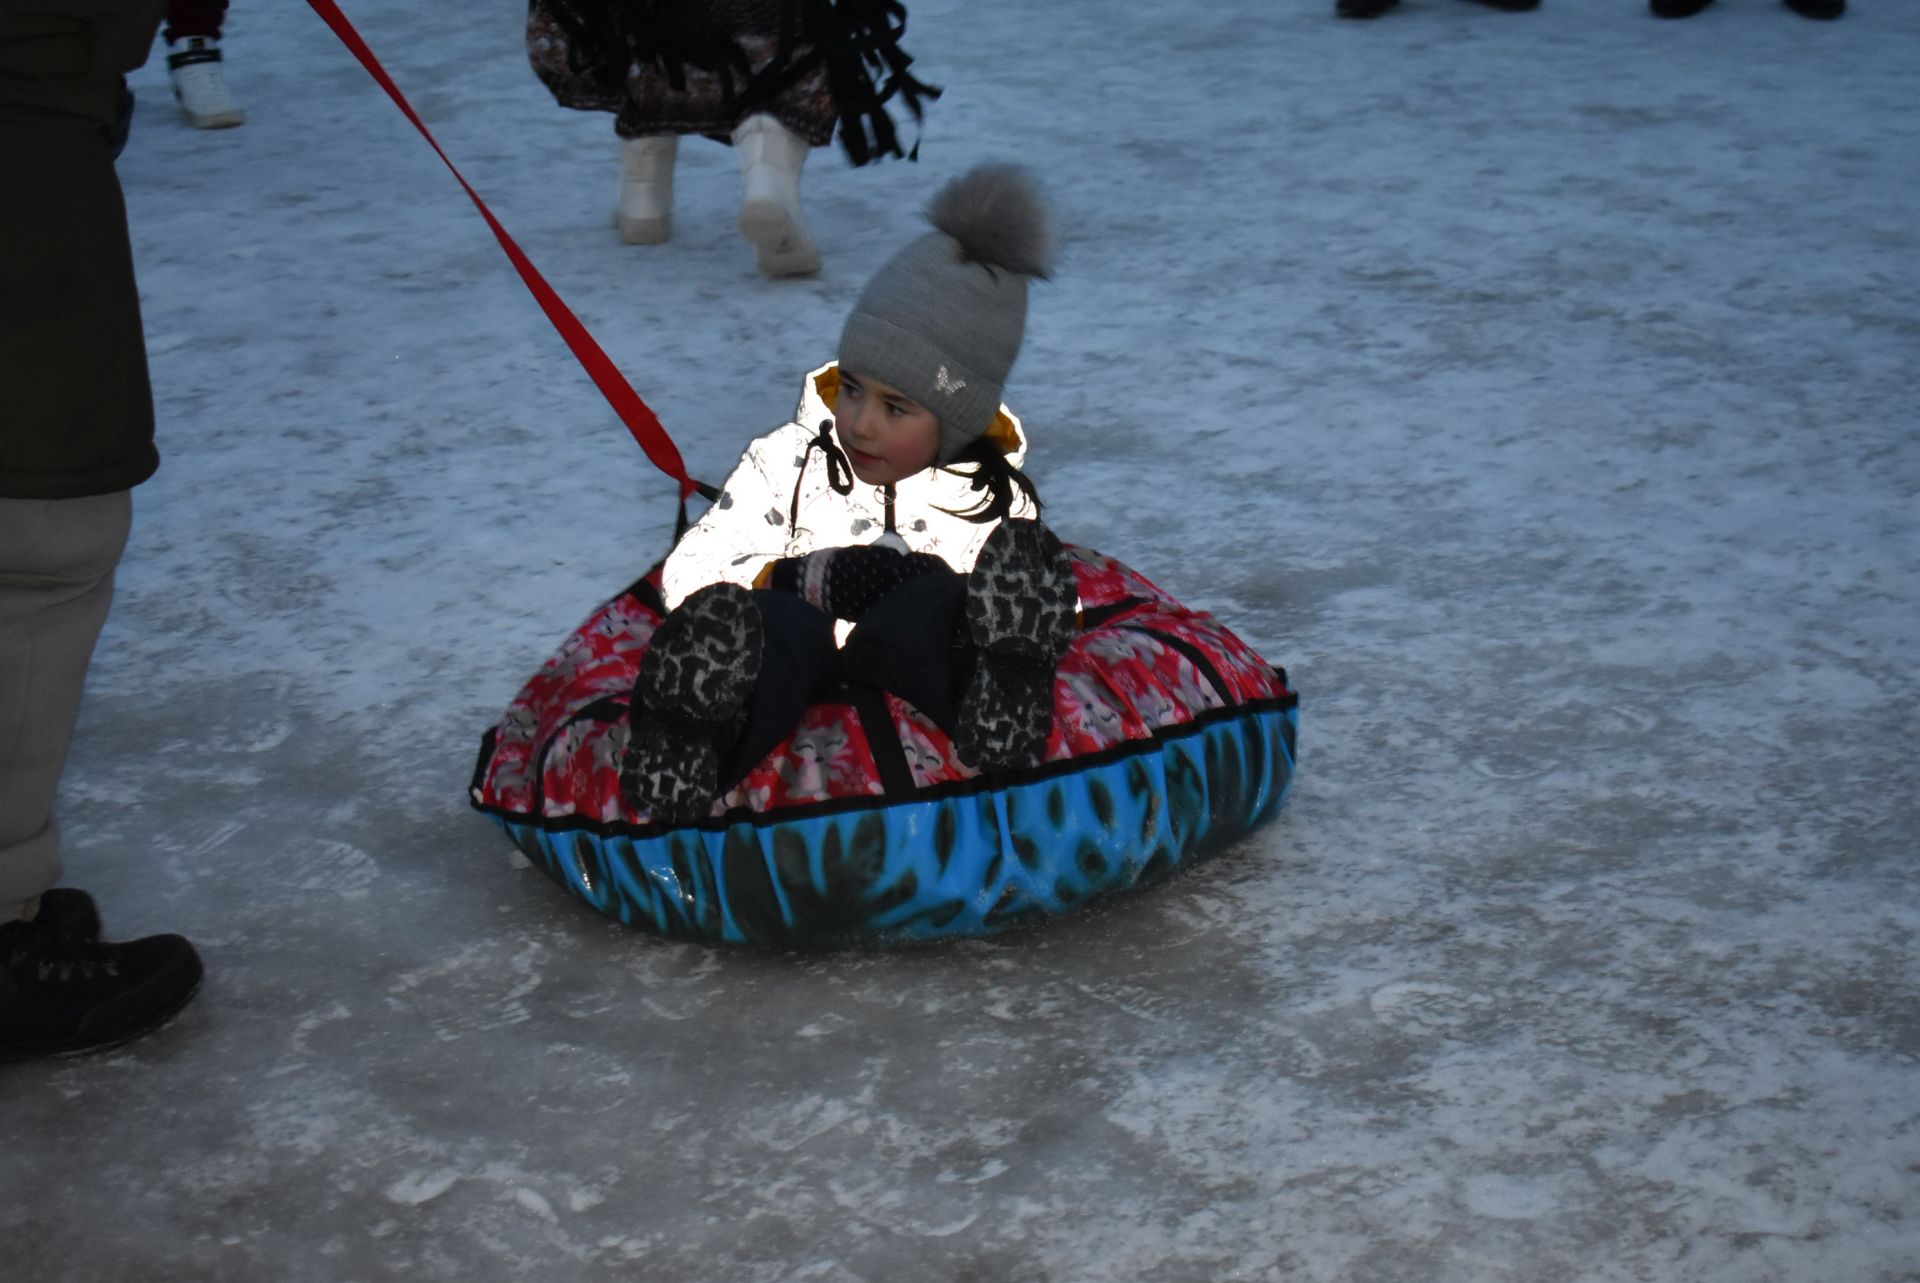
[(1171, 739)]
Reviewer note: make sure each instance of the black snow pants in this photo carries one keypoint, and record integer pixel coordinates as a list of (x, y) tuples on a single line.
[(910, 643)]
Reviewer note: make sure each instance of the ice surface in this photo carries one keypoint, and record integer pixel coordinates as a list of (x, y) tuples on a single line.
[(1538, 388)]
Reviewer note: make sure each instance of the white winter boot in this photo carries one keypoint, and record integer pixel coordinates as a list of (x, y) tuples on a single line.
[(199, 86), (770, 159), (644, 214)]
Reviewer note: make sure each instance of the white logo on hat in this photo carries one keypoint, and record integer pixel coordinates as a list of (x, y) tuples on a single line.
[(944, 382)]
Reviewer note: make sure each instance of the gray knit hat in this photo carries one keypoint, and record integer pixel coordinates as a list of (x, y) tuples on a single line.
[(942, 320)]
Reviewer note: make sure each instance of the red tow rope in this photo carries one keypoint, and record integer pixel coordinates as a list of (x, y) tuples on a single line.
[(635, 413)]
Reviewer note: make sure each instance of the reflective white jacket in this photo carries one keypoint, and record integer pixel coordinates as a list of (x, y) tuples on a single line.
[(748, 527)]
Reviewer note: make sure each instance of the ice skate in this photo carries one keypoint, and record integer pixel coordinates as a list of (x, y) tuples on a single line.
[(644, 213), (771, 156), (689, 702), (1825, 10), (1020, 614), (200, 87), (1676, 8), (1362, 8)]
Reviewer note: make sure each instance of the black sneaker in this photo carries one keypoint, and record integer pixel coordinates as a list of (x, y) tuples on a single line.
[(62, 994), (1362, 8), (1826, 10), (1676, 8), (1020, 616), (689, 702)]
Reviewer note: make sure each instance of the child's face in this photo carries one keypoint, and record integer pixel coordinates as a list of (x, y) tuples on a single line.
[(888, 436)]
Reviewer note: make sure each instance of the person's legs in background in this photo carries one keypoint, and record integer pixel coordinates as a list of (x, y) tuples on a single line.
[(194, 64), (771, 158), (644, 211)]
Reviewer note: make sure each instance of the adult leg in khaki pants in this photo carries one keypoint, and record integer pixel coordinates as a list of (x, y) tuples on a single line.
[(57, 558), (62, 988)]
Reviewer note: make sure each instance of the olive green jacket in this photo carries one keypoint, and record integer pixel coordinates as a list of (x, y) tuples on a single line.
[(76, 410)]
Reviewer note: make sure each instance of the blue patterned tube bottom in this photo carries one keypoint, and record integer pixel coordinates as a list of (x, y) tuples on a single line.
[(964, 859)]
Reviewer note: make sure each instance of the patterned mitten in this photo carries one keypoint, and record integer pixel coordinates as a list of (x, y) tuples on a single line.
[(845, 582)]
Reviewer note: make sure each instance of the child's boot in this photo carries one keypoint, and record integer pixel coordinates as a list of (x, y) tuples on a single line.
[(689, 702), (199, 86), (770, 159), (644, 213), (1019, 612)]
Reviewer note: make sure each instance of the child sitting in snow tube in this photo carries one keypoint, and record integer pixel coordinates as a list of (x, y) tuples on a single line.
[(882, 571), (755, 589)]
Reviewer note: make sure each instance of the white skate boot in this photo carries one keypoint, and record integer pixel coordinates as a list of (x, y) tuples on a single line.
[(770, 159), (199, 86), (644, 213)]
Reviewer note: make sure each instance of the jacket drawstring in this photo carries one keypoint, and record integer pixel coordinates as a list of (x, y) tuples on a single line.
[(839, 474), (887, 500)]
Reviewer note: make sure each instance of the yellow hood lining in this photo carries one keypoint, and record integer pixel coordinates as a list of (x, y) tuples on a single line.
[(1002, 433)]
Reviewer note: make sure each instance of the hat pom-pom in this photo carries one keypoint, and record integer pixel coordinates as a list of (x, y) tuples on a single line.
[(997, 215)]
